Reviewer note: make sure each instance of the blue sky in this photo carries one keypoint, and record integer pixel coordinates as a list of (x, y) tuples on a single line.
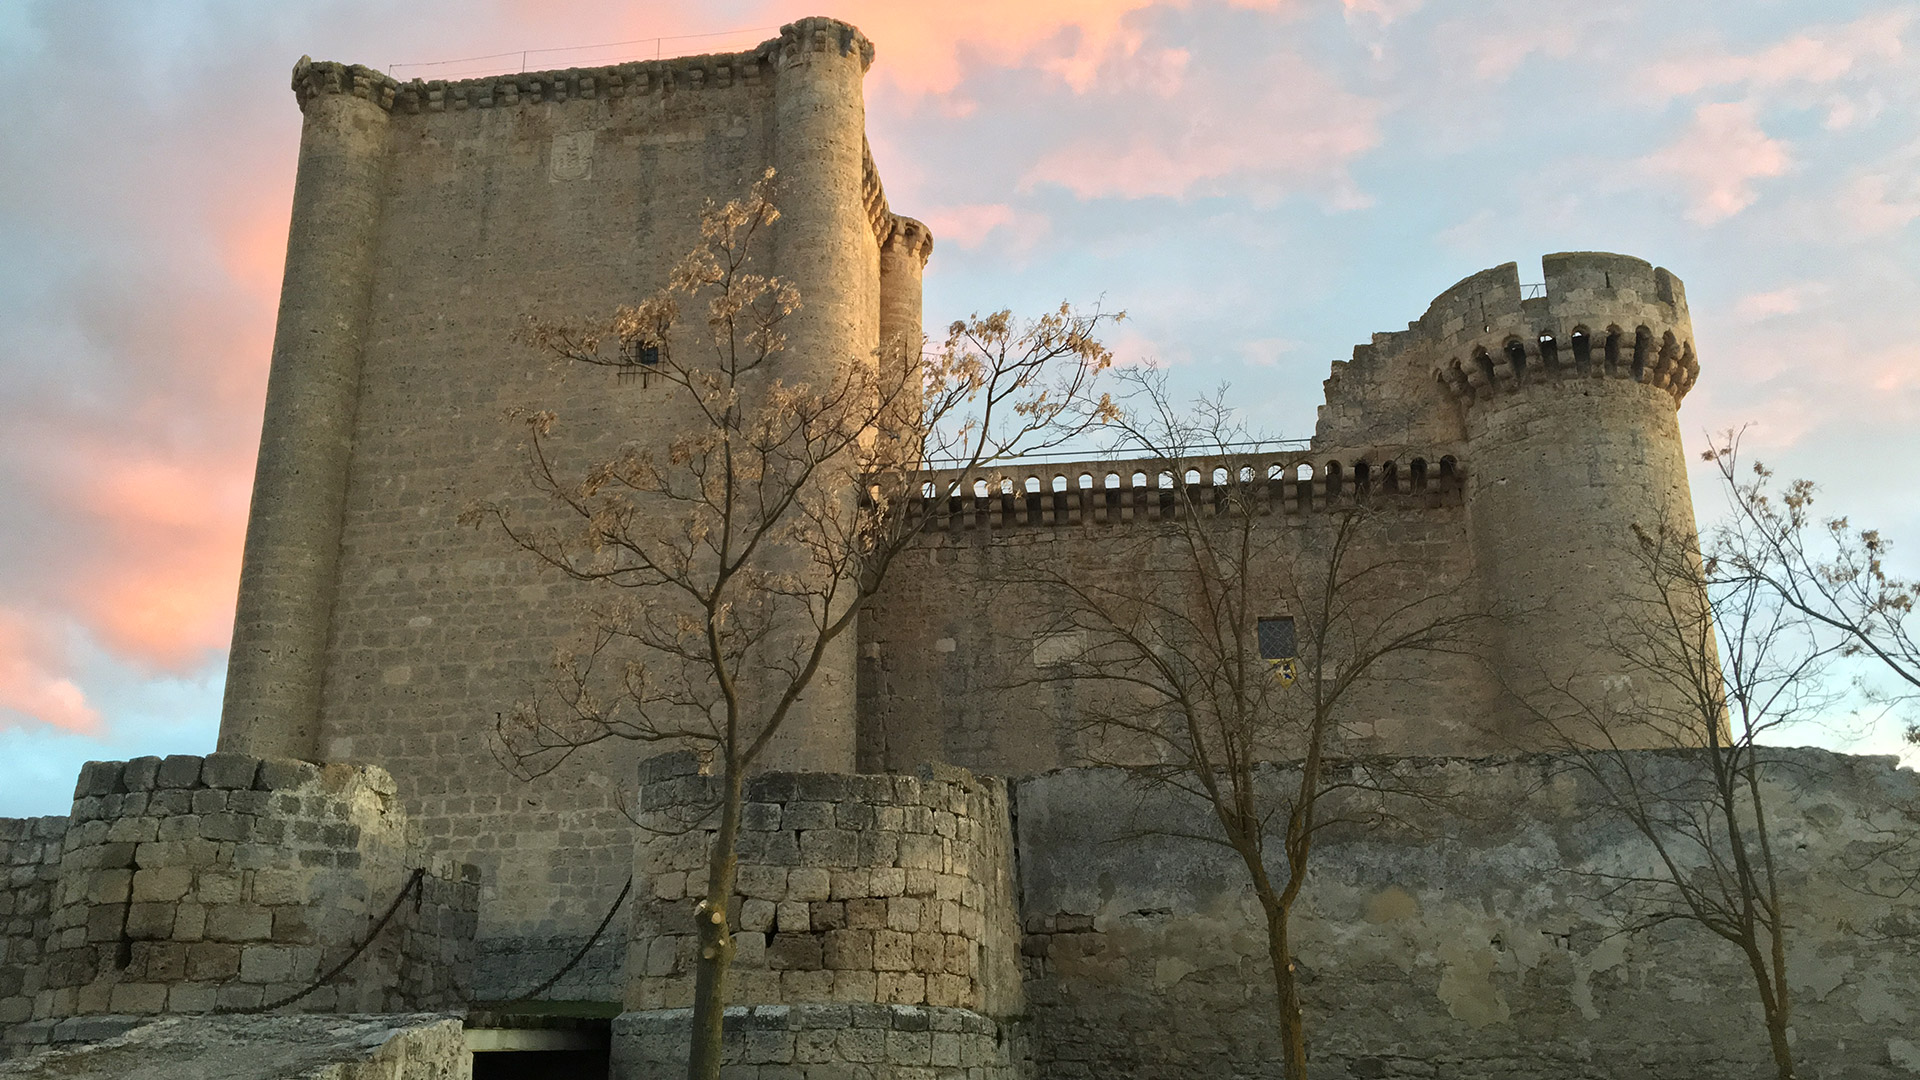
[(1260, 184)]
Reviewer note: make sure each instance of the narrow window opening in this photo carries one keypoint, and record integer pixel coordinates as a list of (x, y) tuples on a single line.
[(1642, 351), (1549, 351), (1333, 478), (1517, 358), (1612, 348), (1486, 366), (1582, 349), (1419, 474)]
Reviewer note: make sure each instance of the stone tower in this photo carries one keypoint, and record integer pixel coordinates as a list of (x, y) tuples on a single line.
[(1569, 400), (1559, 402), (429, 219)]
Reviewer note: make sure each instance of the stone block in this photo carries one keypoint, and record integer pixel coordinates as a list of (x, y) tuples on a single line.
[(757, 915), (848, 884), (218, 887), (150, 921), (192, 998), (909, 1047), (99, 778), (797, 952), (829, 847), (266, 964), (281, 886), (240, 922), (807, 815), (178, 771), (190, 922), (139, 999), (809, 883), (828, 915), (892, 951), (229, 771), (793, 917), (670, 885), (162, 883), (763, 882), (854, 986), (760, 816), (904, 913), (285, 774), (863, 1046), (209, 800), (867, 913), (848, 950)]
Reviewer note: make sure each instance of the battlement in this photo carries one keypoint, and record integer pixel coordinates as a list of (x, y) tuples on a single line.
[(1596, 316), (312, 78), (907, 236), (1113, 492)]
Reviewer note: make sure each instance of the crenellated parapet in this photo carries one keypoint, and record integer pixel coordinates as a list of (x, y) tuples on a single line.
[(1596, 316), (907, 237), (820, 34), (1017, 495), (315, 78)]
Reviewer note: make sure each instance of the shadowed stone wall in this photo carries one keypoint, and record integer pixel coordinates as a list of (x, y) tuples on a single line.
[(193, 885), (1480, 944)]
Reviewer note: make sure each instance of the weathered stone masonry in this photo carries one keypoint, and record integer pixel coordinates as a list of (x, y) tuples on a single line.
[(894, 918)]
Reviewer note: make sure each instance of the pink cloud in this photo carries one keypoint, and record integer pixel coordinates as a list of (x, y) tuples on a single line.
[(1299, 132), (971, 225), (1777, 302), (1820, 55), (1881, 202), (31, 683), (1717, 159), (925, 48)]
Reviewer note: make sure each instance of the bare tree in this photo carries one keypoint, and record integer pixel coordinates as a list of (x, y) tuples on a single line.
[(1826, 570), (723, 566), (1171, 654)]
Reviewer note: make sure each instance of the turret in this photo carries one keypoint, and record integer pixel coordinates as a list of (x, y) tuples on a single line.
[(832, 212), (1567, 394), (275, 667)]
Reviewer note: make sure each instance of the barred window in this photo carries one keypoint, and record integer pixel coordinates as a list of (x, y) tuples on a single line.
[(1278, 640)]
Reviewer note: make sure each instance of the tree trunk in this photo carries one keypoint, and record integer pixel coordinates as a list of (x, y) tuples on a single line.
[(716, 939), (1293, 1037), (1782, 1052)]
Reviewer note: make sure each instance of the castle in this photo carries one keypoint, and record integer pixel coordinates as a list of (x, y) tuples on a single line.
[(932, 884)]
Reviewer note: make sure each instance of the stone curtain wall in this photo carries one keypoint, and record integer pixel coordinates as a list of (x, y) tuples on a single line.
[(952, 650), (1465, 948), (30, 858), (192, 884), (884, 889), (827, 1042)]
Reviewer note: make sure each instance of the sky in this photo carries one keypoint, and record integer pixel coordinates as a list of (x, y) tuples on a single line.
[(1260, 184)]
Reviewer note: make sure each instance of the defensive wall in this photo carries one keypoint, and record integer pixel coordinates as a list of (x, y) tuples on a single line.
[(1505, 443), (228, 884), (1482, 933)]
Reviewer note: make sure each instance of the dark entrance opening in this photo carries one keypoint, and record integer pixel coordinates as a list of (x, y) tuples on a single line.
[(543, 1040), (541, 1065)]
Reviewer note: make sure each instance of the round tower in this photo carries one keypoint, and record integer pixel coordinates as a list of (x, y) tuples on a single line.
[(827, 246), (276, 664), (1568, 393)]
